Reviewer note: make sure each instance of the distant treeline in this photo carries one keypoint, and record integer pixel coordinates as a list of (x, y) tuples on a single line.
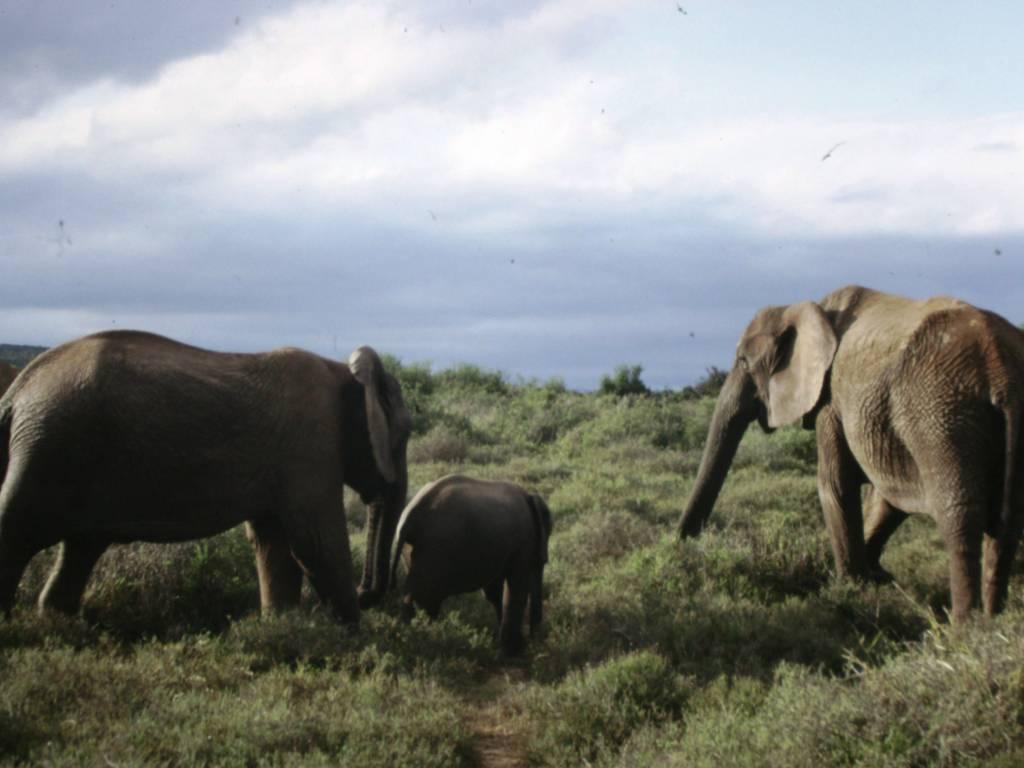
[(419, 378), (19, 355)]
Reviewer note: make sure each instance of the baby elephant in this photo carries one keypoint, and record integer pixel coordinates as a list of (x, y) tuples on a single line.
[(471, 534)]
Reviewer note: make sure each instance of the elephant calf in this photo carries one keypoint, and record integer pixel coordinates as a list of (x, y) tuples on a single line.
[(469, 534)]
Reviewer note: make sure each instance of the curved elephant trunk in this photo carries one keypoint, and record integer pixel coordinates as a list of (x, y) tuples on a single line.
[(383, 520), (734, 410)]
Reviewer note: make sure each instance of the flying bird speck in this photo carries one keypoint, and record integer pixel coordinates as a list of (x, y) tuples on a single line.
[(828, 154)]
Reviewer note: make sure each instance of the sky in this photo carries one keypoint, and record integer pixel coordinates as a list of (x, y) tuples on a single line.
[(548, 188)]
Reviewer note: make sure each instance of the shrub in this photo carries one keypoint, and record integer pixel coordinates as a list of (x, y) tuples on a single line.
[(709, 386), (624, 381), (953, 699), (594, 711), (472, 378)]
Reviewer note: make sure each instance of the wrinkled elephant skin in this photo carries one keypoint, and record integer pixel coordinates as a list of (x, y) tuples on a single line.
[(128, 436), (921, 400)]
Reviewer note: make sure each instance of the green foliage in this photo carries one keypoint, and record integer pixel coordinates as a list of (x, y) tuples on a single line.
[(624, 381), (709, 386), (19, 355), (196, 702), (594, 711), (953, 699), (736, 648)]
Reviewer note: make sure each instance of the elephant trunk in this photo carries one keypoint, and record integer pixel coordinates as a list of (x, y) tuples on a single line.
[(734, 410), (383, 519)]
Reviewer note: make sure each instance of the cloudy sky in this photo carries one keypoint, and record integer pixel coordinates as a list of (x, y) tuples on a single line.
[(546, 187)]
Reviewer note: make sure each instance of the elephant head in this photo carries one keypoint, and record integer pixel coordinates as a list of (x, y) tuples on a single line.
[(780, 374), (388, 426)]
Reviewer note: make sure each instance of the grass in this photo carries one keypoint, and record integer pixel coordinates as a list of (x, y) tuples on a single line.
[(737, 648)]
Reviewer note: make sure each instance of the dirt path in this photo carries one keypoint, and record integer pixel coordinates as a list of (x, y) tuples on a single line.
[(487, 714)]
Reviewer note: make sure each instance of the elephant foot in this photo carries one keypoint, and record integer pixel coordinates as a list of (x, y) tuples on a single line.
[(408, 611), (368, 598), (690, 530), (876, 574), (512, 645)]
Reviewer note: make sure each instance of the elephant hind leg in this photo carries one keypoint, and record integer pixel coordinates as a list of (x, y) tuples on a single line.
[(1000, 548), (999, 554), (14, 558), (279, 574), (516, 596), (19, 542), (495, 596), (882, 521), (962, 532), (537, 601), (64, 589)]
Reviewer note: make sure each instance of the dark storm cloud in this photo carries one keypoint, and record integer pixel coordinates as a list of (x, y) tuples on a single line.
[(623, 287), (405, 218), (48, 46)]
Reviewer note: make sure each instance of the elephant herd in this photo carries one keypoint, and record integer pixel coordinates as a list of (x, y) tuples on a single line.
[(126, 436)]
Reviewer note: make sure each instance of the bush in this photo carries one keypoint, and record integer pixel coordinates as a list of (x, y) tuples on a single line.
[(709, 386), (953, 699), (738, 647), (624, 381), (594, 711)]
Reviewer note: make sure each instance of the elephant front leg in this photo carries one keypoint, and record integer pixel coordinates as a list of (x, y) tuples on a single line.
[(839, 482), (319, 542)]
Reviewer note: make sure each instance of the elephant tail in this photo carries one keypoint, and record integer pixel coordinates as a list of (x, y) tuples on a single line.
[(1011, 416), (543, 523)]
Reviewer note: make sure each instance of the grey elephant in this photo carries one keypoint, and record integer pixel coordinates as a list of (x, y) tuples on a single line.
[(128, 436), (922, 400), (469, 534)]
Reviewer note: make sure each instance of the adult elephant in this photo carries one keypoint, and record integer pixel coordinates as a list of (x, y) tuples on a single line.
[(127, 436), (920, 399)]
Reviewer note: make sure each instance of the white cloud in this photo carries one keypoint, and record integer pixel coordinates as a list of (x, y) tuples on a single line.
[(370, 104)]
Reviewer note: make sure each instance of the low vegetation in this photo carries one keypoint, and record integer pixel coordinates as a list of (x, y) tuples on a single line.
[(737, 648)]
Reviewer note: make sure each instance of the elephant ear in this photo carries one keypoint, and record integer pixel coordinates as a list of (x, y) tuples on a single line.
[(542, 522), (807, 345), (368, 370)]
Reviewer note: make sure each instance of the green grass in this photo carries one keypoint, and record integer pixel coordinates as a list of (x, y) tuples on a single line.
[(737, 648)]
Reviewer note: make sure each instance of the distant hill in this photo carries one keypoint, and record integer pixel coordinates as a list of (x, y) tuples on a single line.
[(18, 355)]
